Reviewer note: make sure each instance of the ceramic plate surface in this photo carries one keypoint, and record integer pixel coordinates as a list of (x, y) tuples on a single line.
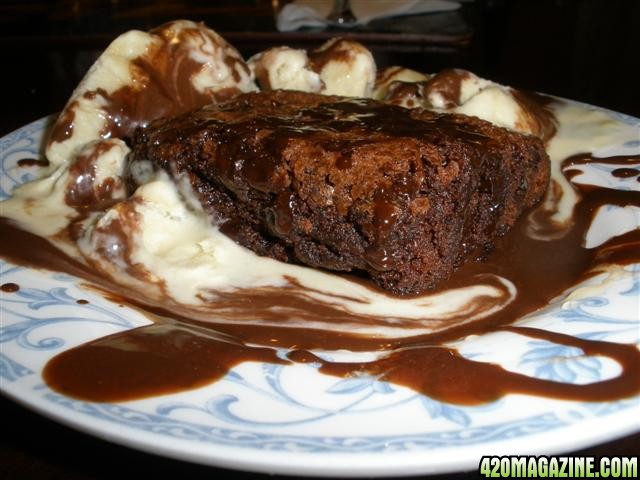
[(294, 420)]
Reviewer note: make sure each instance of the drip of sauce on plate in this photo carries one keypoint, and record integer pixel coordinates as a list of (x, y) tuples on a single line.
[(185, 348), (625, 172), (572, 165), (63, 127), (10, 287), (33, 162), (443, 374)]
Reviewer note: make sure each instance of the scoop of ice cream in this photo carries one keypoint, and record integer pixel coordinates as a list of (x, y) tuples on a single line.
[(498, 105), (460, 91), (395, 74), (142, 76), (284, 68), (345, 67)]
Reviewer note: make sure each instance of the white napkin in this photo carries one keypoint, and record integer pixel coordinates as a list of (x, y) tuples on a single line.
[(313, 13)]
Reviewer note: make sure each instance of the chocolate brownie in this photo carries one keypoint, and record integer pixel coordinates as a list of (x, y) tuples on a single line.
[(351, 184)]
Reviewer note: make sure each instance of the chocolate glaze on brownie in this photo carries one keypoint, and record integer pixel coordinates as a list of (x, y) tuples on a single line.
[(351, 184)]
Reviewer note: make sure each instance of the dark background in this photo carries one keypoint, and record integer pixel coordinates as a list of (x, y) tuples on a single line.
[(584, 50)]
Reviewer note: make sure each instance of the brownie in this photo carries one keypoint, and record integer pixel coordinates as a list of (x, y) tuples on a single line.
[(351, 185)]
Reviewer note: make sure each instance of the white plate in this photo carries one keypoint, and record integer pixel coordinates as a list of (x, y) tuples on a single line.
[(292, 419)]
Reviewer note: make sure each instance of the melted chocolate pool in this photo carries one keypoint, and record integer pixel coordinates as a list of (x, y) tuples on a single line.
[(179, 350)]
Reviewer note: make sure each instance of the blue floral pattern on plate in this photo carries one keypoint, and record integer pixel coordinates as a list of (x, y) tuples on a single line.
[(272, 418)]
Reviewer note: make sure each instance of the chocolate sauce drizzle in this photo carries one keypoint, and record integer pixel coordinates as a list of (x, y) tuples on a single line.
[(625, 172), (9, 287), (33, 162), (184, 348), (85, 192)]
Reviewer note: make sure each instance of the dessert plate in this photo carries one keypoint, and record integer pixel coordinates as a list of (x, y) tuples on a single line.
[(294, 420)]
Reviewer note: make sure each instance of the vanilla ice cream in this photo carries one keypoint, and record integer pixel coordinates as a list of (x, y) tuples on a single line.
[(285, 68), (142, 76), (460, 91), (345, 67)]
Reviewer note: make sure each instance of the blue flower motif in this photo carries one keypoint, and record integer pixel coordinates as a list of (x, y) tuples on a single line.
[(11, 370), (357, 390), (561, 363), (578, 312), (439, 409), (38, 298), (163, 425), (361, 383), (24, 142)]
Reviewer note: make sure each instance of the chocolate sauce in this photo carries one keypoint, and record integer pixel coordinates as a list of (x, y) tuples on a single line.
[(447, 84), (185, 348), (540, 118), (262, 76), (84, 192), (337, 51), (159, 358), (587, 159), (10, 287), (571, 166), (625, 172), (283, 214), (443, 374), (63, 127), (260, 163), (408, 94), (33, 162)]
